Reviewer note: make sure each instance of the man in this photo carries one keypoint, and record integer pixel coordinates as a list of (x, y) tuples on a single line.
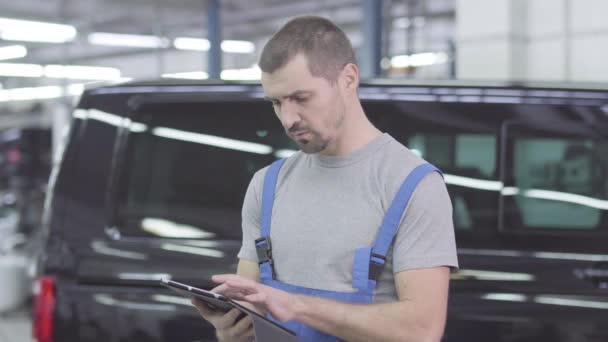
[(346, 263)]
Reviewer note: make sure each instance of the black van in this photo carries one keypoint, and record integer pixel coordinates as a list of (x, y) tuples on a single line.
[(153, 176)]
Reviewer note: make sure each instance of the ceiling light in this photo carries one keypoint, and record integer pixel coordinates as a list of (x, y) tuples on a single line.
[(238, 46), (190, 75), (34, 93), (401, 23), (129, 40), (40, 93), (194, 44), (201, 44), (253, 73), (81, 72), (35, 31), (419, 59), (12, 52), (212, 140), (21, 70), (284, 153)]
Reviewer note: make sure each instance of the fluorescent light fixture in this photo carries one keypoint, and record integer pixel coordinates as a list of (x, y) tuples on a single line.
[(567, 197), (416, 152), (558, 300), (419, 59), (101, 248), (490, 252), (285, 153), (170, 229), (401, 23), (21, 70), (495, 276), (34, 93), (202, 44), (111, 301), (12, 52), (59, 71), (509, 191), (128, 40), (571, 256), (188, 75), (253, 73), (238, 46), (172, 300), (473, 182), (102, 116), (35, 31), (212, 140), (542, 255), (508, 297), (110, 119), (81, 72), (136, 127), (194, 44), (143, 276), (75, 89), (214, 253)]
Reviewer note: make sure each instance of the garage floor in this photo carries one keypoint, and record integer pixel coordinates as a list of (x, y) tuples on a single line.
[(16, 326)]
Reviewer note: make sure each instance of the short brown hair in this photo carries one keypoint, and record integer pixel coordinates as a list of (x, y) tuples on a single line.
[(324, 44)]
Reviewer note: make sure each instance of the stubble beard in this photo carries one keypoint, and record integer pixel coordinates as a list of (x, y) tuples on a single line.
[(319, 143)]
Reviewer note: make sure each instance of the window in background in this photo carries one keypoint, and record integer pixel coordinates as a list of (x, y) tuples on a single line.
[(188, 167), (560, 183)]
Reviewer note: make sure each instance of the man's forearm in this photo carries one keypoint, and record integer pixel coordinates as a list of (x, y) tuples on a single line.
[(397, 321)]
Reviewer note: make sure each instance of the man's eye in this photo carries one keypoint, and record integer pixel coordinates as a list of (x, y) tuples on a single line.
[(301, 99)]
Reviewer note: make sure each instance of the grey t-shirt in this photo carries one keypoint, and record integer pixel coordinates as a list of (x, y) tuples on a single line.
[(327, 206)]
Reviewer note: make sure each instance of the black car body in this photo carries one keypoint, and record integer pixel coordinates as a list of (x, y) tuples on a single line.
[(153, 176)]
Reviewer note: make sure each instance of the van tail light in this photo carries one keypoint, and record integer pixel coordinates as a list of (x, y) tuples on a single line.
[(43, 309)]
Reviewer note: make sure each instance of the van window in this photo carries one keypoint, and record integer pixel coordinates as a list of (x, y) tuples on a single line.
[(560, 183), (468, 161), (188, 166), (461, 143)]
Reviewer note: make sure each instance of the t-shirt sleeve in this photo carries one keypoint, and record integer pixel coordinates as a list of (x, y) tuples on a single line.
[(426, 235), (251, 225)]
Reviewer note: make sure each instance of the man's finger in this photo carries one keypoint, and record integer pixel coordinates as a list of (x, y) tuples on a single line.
[(242, 325), (228, 319), (201, 307), (255, 298), (205, 310), (221, 278)]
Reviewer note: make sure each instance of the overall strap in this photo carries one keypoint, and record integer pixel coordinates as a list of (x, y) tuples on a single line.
[(263, 245), (390, 223)]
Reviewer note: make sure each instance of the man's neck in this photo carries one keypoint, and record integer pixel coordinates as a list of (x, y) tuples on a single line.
[(356, 133)]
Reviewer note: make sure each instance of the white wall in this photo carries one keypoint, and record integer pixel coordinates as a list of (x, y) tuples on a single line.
[(555, 40)]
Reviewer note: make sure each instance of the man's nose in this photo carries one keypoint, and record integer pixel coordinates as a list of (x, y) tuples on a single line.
[(289, 115)]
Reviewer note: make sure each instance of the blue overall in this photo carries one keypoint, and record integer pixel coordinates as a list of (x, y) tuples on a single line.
[(368, 260)]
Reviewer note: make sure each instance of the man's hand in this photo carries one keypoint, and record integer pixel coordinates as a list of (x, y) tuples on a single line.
[(280, 304), (227, 327)]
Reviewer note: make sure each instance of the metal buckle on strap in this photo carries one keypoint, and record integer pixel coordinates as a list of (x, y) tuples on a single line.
[(263, 248), (375, 268)]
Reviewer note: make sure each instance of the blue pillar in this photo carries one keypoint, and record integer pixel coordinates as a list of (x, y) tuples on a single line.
[(215, 39), (371, 52)]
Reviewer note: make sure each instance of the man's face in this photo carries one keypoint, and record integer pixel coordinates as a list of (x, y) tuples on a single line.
[(311, 109)]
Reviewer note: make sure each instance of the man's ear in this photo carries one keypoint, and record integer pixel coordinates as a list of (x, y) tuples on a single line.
[(350, 76)]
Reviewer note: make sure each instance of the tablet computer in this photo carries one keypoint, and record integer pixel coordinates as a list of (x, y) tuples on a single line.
[(265, 329), (215, 300)]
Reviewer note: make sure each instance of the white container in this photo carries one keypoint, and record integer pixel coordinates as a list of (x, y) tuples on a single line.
[(14, 284)]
